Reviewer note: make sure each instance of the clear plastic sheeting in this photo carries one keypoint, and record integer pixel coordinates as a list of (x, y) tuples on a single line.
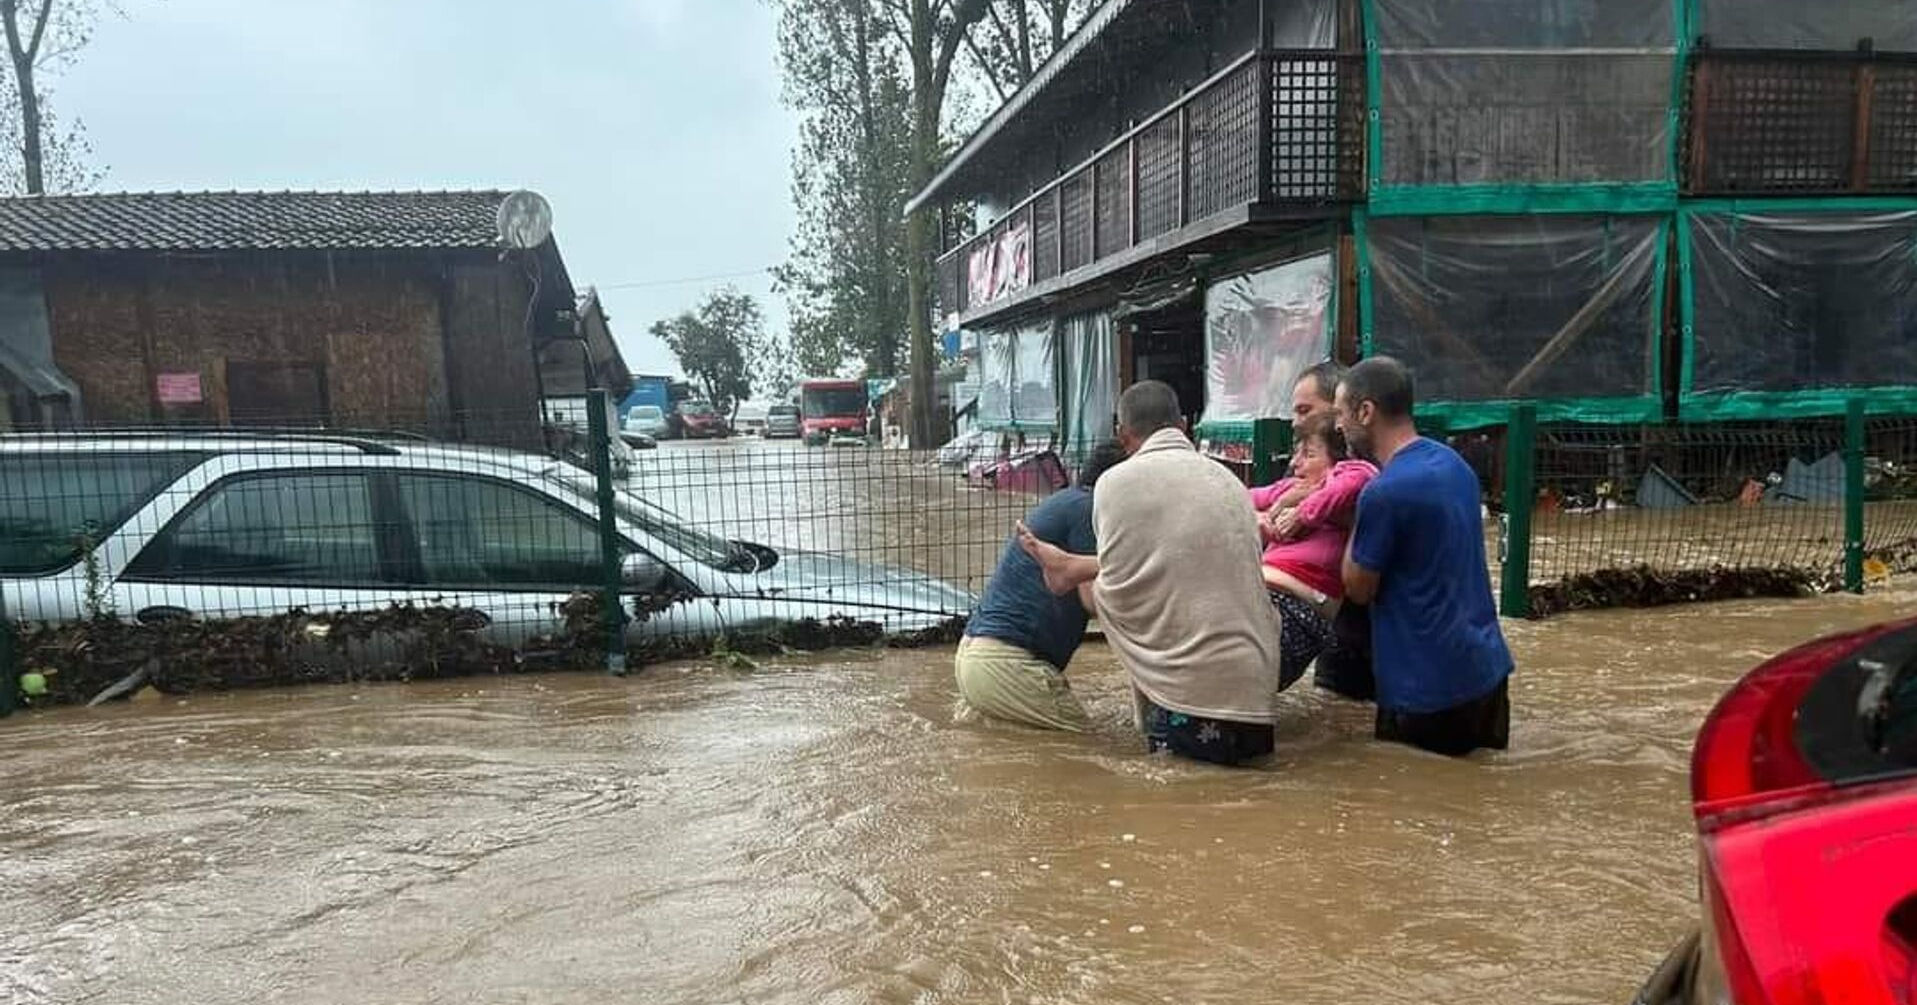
[(1530, 118), (1035, 402), (1262, 331), (1517, 92), (1018, 384), (1802, 301), (1091, 380), (1515, 308), (998, 361), (1304, 24), (1891, 25), (1526, 24)]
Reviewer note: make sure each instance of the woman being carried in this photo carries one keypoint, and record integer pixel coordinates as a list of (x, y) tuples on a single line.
[(1305, 522)]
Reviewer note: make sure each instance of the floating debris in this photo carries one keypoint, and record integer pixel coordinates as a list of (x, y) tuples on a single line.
[(1643, 586)]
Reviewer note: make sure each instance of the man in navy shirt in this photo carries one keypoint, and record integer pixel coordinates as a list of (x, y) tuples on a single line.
[(1011, 663), (1416, 558)]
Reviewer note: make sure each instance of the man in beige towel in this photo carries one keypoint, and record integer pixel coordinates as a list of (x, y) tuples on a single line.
[(1178, 589)]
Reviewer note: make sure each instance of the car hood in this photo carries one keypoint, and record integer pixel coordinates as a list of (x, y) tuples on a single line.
[(848, 582)]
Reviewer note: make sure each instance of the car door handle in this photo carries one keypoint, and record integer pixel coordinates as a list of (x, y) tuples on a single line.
[(155, 615)]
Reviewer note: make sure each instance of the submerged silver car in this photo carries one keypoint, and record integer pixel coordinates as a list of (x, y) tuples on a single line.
[(165, 525)]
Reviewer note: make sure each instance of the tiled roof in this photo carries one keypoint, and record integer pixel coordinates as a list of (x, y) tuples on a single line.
[(226, 221)]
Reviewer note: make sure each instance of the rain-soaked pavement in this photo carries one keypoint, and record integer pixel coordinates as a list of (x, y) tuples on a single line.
[(828, 830)]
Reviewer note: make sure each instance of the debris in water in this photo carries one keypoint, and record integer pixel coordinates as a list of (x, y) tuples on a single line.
[(1135, 929), (1128, 837), (1116, 884), (1044, 866), (985, 874), (1104, 865)]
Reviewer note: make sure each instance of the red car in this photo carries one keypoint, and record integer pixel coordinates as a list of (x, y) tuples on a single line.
[(1804, 788), (701, 421)]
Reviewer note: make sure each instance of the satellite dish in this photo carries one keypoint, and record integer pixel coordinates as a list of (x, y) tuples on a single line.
[(525, 220)]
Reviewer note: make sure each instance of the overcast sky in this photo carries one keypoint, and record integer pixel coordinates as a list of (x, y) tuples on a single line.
[(653, 126)]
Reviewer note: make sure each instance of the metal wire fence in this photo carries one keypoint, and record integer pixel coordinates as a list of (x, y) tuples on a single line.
[(1652, 514), (216, 557)]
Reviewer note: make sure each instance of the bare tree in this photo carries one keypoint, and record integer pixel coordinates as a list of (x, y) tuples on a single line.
[(44, 35)]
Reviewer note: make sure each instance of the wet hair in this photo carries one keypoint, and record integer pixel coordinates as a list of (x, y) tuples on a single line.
[(1324, 378), (1147, 407), (1324, 428), (1384, 382), (1100, 460)]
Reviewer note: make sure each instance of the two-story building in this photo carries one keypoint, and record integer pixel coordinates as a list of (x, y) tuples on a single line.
[(1621, 211)]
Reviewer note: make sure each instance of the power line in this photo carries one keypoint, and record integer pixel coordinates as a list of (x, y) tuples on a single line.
[(684, 281)]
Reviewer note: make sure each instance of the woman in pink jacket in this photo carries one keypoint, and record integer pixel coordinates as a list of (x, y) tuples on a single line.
[(1305, 521)]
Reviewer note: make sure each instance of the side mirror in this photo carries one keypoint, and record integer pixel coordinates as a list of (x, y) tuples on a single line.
[(642, 572)]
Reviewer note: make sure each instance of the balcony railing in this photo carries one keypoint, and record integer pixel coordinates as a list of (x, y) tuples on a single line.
[(1282, 128), (1785, 122)]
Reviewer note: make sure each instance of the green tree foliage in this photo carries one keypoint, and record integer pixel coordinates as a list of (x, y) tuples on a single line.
[(873, 81), (721, 345)]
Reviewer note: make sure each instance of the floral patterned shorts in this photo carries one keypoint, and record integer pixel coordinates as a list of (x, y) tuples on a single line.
[(1218, 741)]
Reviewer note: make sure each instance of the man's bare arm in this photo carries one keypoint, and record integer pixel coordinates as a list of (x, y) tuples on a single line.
[(1361, 584), (1064, 571)]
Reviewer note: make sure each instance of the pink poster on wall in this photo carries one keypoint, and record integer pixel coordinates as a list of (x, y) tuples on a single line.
[(1000, 266), (178, 388)]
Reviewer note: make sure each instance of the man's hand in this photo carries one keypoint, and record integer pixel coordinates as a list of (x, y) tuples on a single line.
[(1294, 495)]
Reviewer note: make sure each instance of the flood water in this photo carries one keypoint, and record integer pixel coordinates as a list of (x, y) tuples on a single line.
[(828, 830)]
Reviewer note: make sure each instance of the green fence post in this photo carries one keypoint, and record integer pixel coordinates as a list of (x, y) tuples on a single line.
[(612, 577), (1854, 495), (1520, 493), (1269, 439), (9, 669)]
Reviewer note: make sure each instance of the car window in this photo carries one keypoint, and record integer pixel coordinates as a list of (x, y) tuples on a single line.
[(1896, 718), (474, 532), (667, 527), (647, 412), (783, 410), (296, 527), (52, 505)]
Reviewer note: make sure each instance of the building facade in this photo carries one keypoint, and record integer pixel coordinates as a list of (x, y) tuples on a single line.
[(345, 310), (1619, 212)]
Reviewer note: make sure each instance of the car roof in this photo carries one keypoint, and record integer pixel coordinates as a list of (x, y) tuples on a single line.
[(388, 446)]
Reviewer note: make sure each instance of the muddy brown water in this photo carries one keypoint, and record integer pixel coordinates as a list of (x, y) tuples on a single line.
[(828, 830)]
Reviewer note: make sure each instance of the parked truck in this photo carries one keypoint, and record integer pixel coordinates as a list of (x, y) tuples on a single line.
[(832, 409)]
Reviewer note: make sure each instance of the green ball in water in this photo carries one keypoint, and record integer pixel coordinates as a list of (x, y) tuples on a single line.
[(33, 685)]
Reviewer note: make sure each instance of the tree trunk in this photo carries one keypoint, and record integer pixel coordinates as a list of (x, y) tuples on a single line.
[(23, 56), (927, 97)]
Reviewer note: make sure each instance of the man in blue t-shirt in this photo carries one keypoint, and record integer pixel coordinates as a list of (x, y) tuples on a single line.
[(1416, 558), (1011, 663)]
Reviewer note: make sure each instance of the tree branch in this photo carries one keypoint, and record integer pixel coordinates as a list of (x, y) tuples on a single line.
[(966, 14), (985, 67), (40, 29)]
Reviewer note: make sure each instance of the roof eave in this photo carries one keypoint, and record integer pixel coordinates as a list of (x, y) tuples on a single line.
[(1080, 40)]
